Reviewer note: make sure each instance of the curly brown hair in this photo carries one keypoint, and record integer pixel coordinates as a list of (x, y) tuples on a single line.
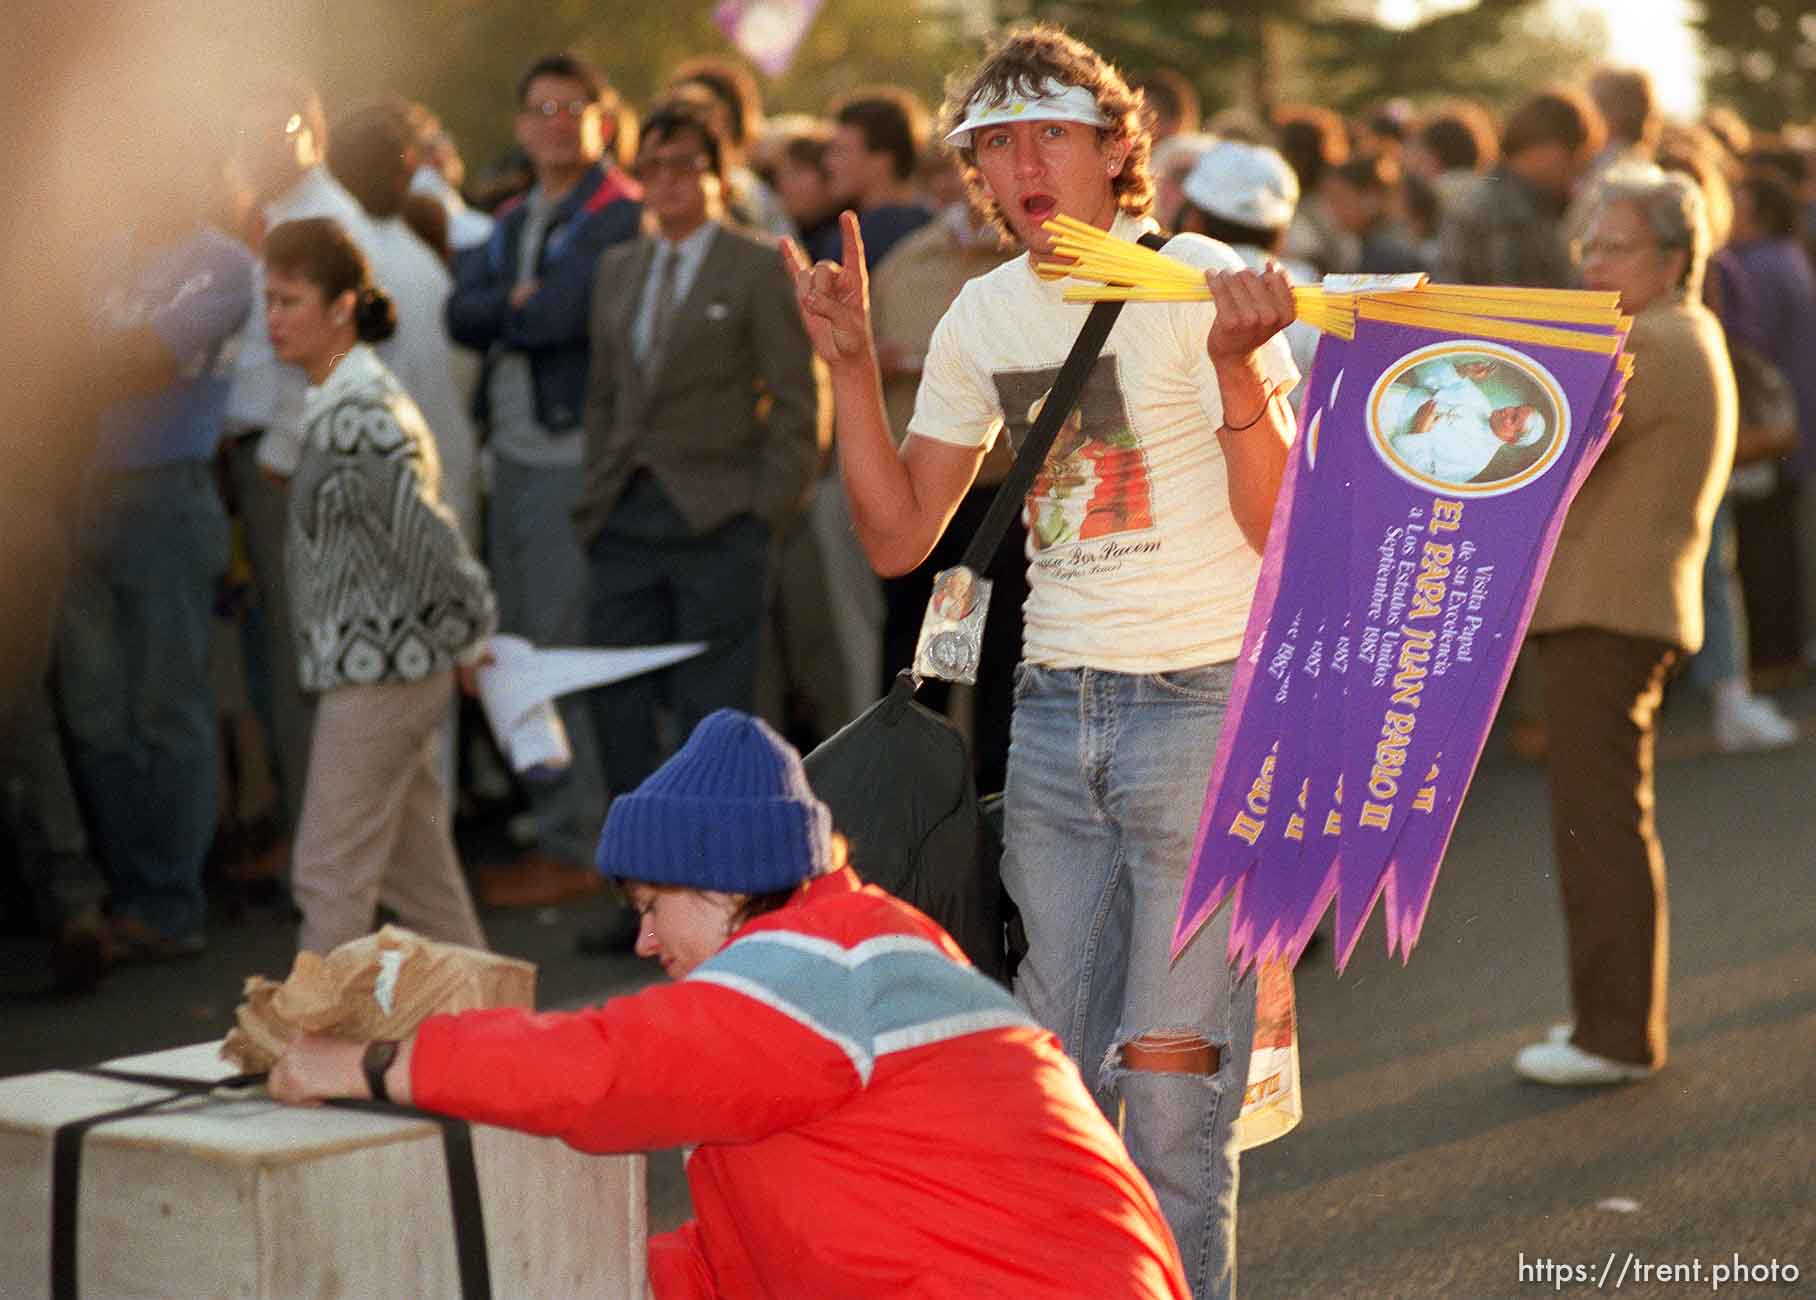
[(1020, 62)]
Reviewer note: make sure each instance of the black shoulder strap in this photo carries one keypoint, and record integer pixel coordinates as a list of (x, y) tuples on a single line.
[(1063, 396)]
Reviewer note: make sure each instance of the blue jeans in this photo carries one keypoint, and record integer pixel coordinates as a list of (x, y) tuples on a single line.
[(133, 668), (1724, 622), (539, 573), (1107, 776)]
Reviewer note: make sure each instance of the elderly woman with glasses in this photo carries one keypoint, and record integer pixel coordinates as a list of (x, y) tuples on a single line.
[(1621, 606)]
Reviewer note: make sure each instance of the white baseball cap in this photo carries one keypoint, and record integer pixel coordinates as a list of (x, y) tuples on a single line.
[(1056, 102), (1249, 184)]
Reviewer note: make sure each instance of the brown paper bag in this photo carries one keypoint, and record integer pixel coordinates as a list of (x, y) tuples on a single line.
[(381, 986)]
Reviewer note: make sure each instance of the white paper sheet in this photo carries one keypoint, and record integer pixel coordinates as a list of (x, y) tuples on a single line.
[(518, 688)]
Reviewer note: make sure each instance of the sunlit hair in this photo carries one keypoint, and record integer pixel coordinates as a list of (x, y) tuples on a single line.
[(1020, 65), (1167, 94), (891, 119), (570, 66), (1461, 136), (1561, 115), (1312, 140), (678, 116), (1688, 148), (1774, 205), (1369, 173), (1731, 129), (732, 84), (1671, 207), (318, 250), (1627, 102), (370, 154), (807, 149)]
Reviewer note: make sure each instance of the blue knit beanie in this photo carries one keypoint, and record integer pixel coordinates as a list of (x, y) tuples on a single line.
[(731, 811)]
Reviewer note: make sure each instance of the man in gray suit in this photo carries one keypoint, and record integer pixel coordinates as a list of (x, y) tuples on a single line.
[(706, 418)]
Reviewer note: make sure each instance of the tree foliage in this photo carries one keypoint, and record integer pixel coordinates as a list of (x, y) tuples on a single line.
[(1255, 53), (1761, 58), (463, 57)]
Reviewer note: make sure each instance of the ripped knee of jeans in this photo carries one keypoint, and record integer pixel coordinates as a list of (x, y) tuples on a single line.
[(1167, 1051)]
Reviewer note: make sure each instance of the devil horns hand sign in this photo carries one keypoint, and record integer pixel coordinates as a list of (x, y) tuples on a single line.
[(834, 297)]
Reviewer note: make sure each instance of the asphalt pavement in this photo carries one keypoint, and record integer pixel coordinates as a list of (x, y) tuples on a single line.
[(1424, 1167)]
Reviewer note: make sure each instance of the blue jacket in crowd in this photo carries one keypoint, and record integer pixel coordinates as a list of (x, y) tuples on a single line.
[(551, 328)]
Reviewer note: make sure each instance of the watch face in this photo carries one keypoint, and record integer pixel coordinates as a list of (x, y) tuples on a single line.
[(376, 1060)]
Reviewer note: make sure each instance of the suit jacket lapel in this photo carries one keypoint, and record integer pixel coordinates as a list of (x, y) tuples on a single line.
[(710, 275), (630, 293)]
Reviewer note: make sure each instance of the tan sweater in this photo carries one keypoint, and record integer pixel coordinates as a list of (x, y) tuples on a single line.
[(1631, 555)]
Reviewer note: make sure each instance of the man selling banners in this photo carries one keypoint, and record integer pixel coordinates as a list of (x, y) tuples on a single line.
[(1144, 532)]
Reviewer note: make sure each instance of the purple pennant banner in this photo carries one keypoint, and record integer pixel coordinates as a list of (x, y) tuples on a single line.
[(1420, 847), (1302, 857), (1312, 587), (1427, 489), (1239, 795), (1472, 443)]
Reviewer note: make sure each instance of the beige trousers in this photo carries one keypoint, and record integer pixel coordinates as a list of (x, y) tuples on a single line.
[(376, 827)]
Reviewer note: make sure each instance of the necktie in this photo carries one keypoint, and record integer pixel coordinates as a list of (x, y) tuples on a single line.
[(663, 315)]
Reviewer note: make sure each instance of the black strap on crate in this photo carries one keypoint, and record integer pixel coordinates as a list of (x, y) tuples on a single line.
[(66, 1174)]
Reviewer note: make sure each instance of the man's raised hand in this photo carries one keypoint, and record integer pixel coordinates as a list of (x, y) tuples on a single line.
[(834, 298), (1252, 307)]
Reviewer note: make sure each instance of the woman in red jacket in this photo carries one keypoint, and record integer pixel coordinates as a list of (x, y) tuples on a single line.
[(870, 1116)]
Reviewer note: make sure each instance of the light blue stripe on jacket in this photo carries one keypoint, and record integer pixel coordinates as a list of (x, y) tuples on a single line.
[(884, 995)]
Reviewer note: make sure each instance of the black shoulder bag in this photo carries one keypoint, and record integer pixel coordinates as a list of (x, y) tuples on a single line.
[(898, 777)]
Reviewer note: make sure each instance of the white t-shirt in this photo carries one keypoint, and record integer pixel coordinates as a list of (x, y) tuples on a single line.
[(1135, 564)]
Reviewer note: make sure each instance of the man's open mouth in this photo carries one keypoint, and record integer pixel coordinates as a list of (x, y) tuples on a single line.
[(1039, 206)]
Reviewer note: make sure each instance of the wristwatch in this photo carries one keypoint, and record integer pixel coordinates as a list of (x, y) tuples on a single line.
[(377, 1059)]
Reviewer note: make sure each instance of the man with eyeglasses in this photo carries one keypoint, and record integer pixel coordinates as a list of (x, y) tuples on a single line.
[(523, 299), (706, 416), (1509, 227)]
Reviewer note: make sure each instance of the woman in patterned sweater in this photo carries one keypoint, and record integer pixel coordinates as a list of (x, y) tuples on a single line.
[(386, 600)]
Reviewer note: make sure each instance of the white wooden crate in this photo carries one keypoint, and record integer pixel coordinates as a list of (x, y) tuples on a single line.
[(234, 1195)]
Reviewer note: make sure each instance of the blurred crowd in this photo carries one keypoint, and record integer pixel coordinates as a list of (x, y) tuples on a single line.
[(630, 432)]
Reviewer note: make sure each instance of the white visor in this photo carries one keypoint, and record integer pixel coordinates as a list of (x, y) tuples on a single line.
[(1057, 102)]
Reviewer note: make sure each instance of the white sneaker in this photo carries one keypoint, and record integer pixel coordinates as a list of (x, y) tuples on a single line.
[(1560, 1032), (1565, 1066), (1749, 723)]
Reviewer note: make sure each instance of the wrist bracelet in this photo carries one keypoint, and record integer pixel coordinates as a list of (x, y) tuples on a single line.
[(375, 1062), (1266, 403)]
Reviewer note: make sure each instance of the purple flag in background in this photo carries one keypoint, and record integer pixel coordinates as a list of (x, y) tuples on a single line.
[(1437, 455), (767, 32)]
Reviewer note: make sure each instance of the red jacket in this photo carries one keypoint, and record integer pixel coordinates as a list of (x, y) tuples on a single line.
[(872, 1117)]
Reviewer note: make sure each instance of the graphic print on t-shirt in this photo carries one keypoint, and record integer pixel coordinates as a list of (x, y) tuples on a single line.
[(1094, 484)]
